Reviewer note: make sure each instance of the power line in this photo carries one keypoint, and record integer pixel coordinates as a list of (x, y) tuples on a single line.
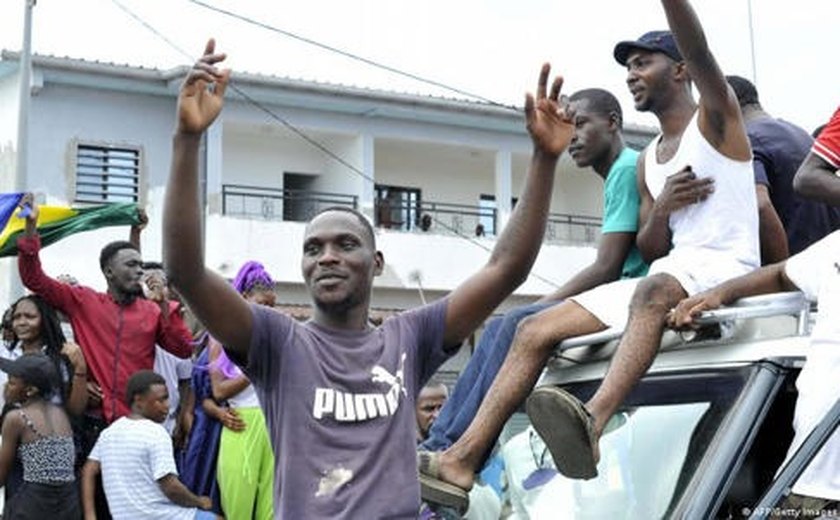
[(303, 135), (352, 56)]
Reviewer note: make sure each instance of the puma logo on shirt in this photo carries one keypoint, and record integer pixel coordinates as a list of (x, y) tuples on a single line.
[(352, 407)]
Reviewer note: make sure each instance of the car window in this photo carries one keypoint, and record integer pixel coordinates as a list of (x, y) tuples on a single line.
[(649, 453)]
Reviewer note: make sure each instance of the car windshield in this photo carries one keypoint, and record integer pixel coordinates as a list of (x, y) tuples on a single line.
[(649, 452)]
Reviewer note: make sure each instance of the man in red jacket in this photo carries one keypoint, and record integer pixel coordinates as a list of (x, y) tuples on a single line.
[(117, 329)]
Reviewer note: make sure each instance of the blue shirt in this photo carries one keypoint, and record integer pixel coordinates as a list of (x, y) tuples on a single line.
[(779, 148)]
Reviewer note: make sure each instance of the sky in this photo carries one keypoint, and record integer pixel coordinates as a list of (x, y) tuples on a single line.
[(490, 48)]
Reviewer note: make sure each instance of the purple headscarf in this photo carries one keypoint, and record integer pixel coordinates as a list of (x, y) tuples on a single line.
[(252, 275)]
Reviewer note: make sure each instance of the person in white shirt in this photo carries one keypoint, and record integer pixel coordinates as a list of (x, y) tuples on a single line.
[(134, 456)]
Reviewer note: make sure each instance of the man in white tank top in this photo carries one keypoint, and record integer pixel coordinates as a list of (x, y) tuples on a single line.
[(698, 227)]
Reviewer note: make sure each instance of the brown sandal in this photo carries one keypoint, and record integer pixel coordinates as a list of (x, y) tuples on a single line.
[(566, 427), (434, 490)]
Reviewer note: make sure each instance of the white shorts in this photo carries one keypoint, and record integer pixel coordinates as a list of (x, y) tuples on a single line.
[(610, 303)]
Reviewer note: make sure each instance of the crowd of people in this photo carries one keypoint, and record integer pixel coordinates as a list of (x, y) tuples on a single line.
[(115, 408)]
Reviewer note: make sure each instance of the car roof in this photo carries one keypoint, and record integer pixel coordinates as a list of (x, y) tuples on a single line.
[(771, 327)]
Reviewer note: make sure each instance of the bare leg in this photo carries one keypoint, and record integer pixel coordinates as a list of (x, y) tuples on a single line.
[(651, 301), (533, 343)]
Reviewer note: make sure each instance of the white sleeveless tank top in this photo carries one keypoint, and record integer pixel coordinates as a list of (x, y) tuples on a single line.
[(723, 229)]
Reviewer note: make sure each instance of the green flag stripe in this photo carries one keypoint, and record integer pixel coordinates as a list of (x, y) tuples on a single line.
[(89, 218)]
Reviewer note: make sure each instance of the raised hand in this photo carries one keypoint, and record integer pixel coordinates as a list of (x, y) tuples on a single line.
[(143, 219), (202, 93), (74, 353), (28, 201), (683, 189), (154, 287), (549, 122)]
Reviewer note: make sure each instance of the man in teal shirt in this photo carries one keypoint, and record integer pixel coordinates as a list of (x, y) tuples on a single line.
[(597, 143)]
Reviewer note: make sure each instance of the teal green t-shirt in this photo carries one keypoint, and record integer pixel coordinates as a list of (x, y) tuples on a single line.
[(621, 208)]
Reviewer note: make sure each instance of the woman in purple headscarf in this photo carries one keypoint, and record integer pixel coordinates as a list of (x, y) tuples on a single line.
[(229, 455), (245, 467)]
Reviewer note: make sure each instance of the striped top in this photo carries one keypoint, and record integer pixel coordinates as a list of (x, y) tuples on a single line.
[(134, 454)]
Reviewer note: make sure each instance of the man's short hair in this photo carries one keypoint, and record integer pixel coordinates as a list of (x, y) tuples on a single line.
[(153, 266), (110, 250), (356, 213), (601, 102), (140, 382), (744, 90)]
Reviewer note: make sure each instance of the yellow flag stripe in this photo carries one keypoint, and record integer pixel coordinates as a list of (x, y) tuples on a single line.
[(46, 215)]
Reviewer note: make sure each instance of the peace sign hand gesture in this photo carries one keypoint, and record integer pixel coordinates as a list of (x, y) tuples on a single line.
[(548, 118), (202, 93)]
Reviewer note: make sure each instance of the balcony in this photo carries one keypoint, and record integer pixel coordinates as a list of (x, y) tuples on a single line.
[(396, 213), (279, 204)]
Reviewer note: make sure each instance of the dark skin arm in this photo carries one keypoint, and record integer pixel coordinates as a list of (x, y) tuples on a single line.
[(681, 189), (90, 471), (11, 432), (720, 116), (223, 388), (227, 416), (613, 249), (77, 398), (209, 296), (137, 229), (178, 493), (774, 245), (766, 280), (551, 129), (184, 420), (817, 180)]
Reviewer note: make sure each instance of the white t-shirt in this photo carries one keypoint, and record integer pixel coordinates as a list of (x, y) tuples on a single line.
[(134, 455), (816, 271), (173, 369)]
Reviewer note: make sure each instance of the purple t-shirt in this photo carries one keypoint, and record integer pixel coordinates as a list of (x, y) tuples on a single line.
[(340, 411)]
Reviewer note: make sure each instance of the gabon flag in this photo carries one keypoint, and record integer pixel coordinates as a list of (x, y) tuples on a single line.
[(57, 222)]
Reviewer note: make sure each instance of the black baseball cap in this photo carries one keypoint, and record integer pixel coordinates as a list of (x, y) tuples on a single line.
[(37, 370), (653, 41)]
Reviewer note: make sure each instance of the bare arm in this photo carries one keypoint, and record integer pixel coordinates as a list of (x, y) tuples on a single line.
[(681, 189), (816, 179), (215, 303), (77, 398), (137, 229), (774, 244), (223, 388), (766, 280), (186, 408), (8, 448), (178, 493), (90, 470), (654, 237), (613, 249), (517, 247), (720, 116)]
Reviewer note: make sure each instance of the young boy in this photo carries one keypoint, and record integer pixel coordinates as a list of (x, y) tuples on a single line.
[(134, 455)]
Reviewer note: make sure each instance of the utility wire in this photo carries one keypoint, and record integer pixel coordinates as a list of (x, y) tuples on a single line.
[(352, 56), (303, 135)]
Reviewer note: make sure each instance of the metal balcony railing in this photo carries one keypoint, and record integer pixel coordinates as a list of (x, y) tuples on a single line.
[(563, 227), (425, 216), (279, 204)]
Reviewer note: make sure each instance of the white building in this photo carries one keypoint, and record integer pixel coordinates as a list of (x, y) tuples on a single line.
[(101, 132)]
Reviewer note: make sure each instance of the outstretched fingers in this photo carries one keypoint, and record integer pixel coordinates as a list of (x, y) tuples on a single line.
[(556, 87), (543, 81)]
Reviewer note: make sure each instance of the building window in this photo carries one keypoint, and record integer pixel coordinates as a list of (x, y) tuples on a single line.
[(107, 174), (487, 213), (397, 207)]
